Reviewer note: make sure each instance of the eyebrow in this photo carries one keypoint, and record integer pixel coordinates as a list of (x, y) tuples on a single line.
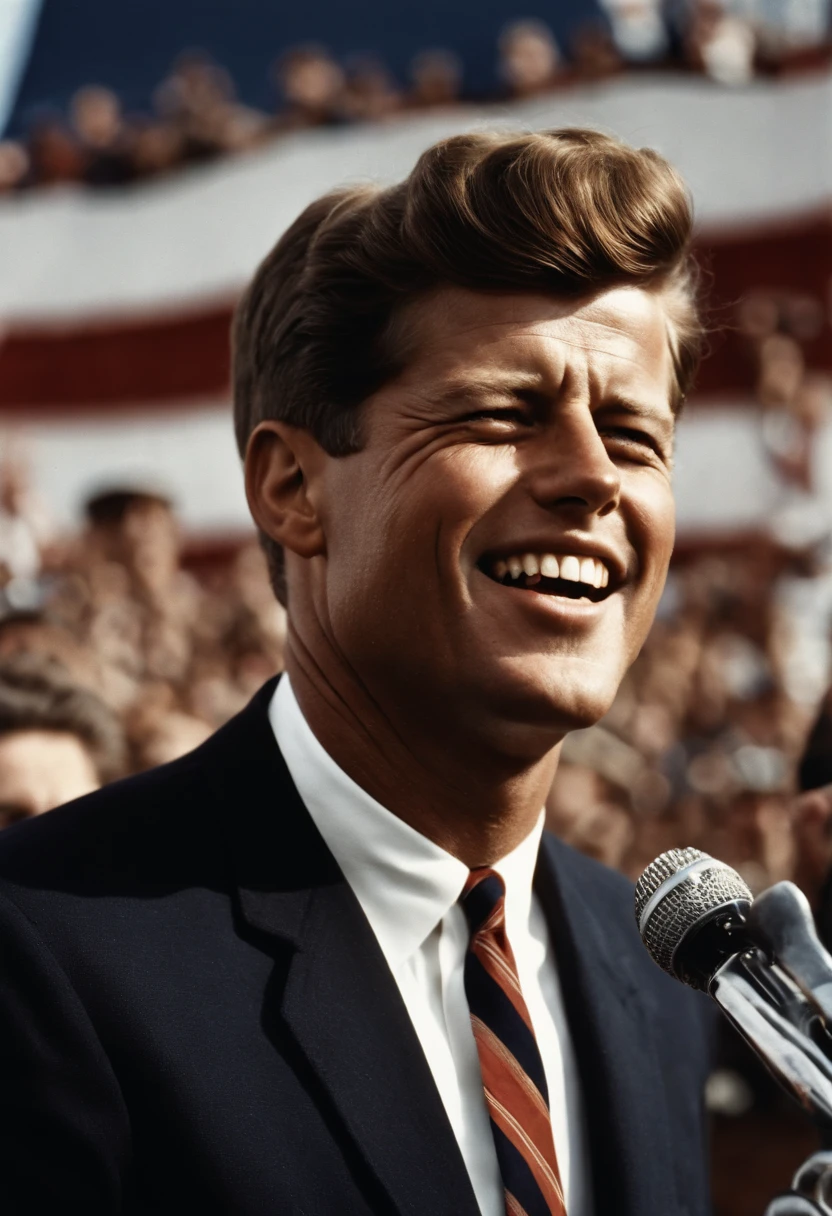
[(506, 386), (638, 409)]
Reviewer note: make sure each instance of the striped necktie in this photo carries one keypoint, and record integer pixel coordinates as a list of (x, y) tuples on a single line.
[(516, 1093)]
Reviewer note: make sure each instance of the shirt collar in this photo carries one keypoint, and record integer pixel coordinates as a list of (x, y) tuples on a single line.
[(404, 882)]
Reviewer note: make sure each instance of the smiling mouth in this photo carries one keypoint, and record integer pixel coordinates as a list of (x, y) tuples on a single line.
[(568, 576)]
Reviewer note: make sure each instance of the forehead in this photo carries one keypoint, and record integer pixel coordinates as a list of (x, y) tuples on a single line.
[(620, 332)]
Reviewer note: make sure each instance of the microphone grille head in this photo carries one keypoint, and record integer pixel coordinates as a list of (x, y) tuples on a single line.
[(678, 890)]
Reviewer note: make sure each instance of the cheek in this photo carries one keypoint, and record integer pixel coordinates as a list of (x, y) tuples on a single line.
[(427, 509), (468, 481), (653, 533)]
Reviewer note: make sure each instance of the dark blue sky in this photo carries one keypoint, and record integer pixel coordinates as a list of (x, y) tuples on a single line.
[(129, 44)]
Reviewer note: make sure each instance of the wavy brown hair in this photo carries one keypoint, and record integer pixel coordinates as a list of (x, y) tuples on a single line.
[(569, 212)]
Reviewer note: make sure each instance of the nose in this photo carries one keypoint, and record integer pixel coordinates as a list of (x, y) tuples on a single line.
[(570, 467)]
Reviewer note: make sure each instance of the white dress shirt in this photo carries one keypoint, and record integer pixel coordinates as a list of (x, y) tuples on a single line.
[(408, 888)]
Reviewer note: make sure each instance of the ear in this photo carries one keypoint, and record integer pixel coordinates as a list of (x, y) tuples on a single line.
[(283, 467)]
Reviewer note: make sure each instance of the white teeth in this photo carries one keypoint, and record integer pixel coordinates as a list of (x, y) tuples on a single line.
[(570, 569), (587, 570)]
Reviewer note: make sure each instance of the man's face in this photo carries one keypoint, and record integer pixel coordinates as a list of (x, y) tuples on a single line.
[(527, 445)]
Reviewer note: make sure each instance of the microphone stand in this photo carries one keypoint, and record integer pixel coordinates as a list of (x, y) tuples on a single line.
[(788, 1007), (811, 1193)]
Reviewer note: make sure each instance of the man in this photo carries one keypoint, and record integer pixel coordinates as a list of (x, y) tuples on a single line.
[(325, 964), (58, 740)]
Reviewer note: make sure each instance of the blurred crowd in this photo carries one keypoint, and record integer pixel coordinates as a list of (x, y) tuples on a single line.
[(197, 115), (108, 638)]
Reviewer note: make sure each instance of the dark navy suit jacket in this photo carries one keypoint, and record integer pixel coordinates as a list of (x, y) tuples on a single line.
[(196, 1017)]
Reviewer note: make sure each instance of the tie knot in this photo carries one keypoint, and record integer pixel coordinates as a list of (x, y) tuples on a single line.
[(483, 894)]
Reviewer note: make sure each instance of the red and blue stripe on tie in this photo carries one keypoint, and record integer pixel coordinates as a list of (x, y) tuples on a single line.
[(515, 1087)]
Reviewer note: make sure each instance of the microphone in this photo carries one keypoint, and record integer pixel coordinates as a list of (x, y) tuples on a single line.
[(760, 962), (691, 912)]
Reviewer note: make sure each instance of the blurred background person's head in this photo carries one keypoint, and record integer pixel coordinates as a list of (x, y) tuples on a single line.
[(436, 79), (370, 93), (55, 156), (137, 529), (58, 740), (14, 165), (530, 59), (95, 113), (310, 86), (99, 127)]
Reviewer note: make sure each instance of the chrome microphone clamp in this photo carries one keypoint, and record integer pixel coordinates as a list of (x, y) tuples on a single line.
[(811, 1193)]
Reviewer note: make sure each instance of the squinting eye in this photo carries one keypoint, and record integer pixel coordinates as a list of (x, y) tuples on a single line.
[(501, 415), (629, 435)]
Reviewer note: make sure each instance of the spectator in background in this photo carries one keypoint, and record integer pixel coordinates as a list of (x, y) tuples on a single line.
[(720, 44), (14, 165), (529, 58), (102, 134), (199, 101), (54, 155), (311, 86), (157, 147), (137, 528), (190, 98), (57, 740), (158, 731), (436, 80), (34, 633), (370, 93), (639, 31), (594, 56), (142, 606), (24, 532)]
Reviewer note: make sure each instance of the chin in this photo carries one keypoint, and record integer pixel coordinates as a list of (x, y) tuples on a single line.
[(540, 706)]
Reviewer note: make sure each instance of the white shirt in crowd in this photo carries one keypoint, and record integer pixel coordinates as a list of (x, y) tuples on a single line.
[(408, 888)]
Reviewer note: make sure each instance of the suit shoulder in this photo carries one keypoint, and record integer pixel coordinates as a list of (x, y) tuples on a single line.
[(161, 831), (129, 818)]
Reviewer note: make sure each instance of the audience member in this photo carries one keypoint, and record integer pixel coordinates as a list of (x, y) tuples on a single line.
[(720, 44), (530, 60), (370, 93), (311, 86), (57, 739), (103, 137), (436, 80), (14, 165), (594, 54), (639, 30), (54, 155), (24, 534)]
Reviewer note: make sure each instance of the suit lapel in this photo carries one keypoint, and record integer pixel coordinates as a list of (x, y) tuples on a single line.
[(339, 999), (623, 1089)]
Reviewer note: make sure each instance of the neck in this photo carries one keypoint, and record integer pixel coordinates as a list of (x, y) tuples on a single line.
[(460, 792)]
